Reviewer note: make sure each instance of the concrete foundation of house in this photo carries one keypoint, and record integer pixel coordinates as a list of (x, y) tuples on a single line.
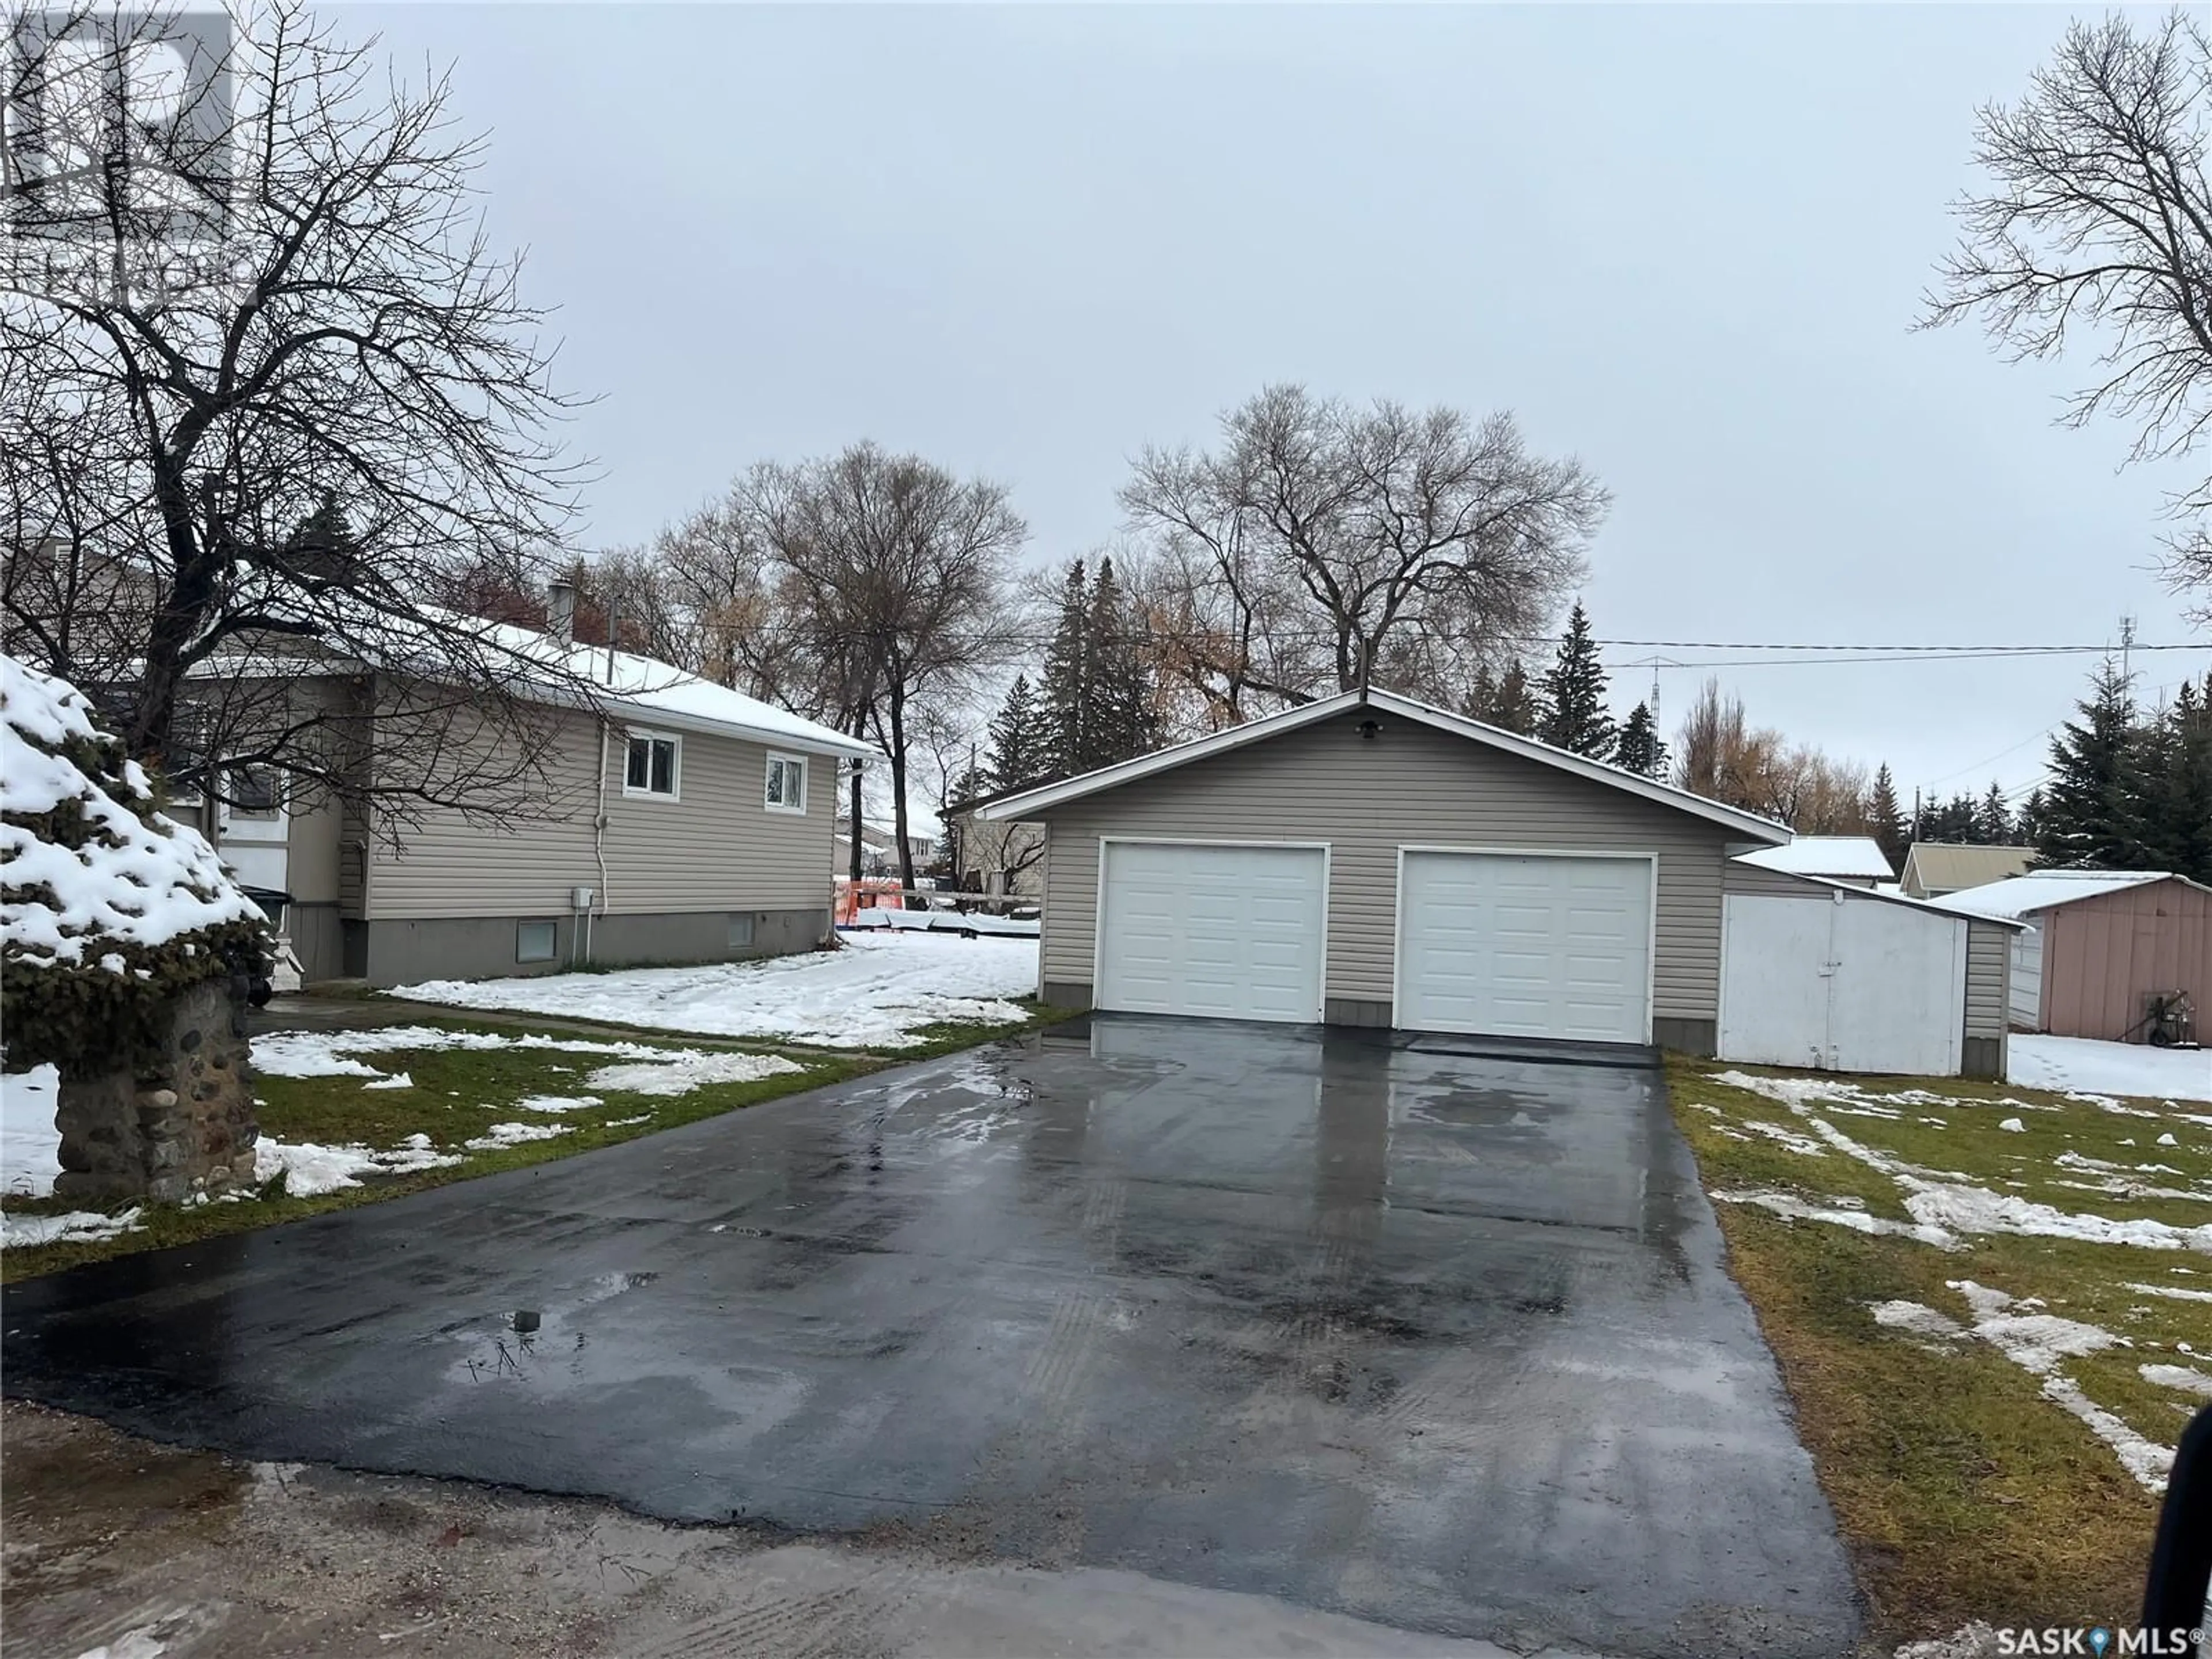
[(177, 1122), (1691, 1037), (396, 953)]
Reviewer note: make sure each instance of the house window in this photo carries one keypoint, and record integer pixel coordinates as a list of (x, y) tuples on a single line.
[(655, 765), (254, 792), (534, 941), (786, 783)]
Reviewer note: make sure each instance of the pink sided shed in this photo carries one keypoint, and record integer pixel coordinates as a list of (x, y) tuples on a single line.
[(2103, 944)]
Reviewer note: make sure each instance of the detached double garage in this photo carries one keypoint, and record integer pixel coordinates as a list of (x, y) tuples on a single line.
[(1518, 943), (1374, 861)]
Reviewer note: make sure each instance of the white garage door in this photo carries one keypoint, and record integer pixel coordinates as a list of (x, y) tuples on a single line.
[(1523, 944), (1233, 933), (1855, 986)]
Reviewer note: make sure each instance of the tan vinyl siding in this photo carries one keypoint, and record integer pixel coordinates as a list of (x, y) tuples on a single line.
[(716, 847), (1989, 963), (1412, 785), (1755, 880)]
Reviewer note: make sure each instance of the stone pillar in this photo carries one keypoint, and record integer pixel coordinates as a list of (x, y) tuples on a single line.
[(178, 1123)]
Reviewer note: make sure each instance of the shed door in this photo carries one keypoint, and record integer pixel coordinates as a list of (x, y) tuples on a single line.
[(1523, 944), (1850, 985), (1187, 927)]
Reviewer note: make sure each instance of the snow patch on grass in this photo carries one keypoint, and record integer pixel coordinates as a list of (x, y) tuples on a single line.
[(871, 993), (2173, 1292), (514, 1134), (2179, 1376), (309, 1169), (1797, 1209), (680, 1072), (1917, 1318), (77, 1227), (557, 1102)]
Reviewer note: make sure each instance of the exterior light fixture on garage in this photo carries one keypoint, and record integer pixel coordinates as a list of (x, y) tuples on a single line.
[(1369, 730)]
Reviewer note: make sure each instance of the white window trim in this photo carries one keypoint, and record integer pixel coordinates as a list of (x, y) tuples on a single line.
[(805, 783), (632, 734)]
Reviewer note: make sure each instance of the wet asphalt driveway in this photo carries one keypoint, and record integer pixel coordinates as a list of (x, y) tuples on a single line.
[(1437, 1340)]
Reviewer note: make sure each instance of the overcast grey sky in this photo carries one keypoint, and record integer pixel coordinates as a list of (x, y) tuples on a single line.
[(1684, 244)]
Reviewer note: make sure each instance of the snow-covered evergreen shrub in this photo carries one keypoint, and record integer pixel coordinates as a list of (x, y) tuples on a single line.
[(108, 909)]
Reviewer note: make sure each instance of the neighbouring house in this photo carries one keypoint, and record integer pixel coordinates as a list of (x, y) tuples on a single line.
[(1934, 868), (1856, 860), (683, 822), (2098, 945), (997, 858), (1842, 976), (1367, 860), (878, 850)]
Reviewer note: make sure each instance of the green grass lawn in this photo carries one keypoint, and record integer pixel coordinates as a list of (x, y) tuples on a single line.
[(1963, 1491), (458, 1096)]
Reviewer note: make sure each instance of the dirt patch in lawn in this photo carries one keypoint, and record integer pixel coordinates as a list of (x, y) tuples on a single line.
[(1986, 1408)]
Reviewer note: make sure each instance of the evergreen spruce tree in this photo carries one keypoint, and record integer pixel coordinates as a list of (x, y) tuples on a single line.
[(1021, 751), (1067, 678), (1575, 717), (1885, 818), (1121, 719), (1479, 701), (1993, 818), (1640, 749), (2188, 802), (2028, 822), (2088, 810), (1516, 706)]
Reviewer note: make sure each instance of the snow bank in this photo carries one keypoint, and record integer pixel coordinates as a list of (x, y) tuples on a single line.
[(871, 993), (2062, 1064), (142, 881)]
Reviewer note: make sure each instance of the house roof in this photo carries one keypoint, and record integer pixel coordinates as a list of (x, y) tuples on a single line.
[(1826, 855), (1291, 720), (2046, 890), (1953, 865), (663, 694), (625, 685)]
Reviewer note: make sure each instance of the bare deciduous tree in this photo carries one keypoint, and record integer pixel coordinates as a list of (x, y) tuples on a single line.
[(1720, 755), (269, 459), (868, 590), (1322, 542), (2098, 220)]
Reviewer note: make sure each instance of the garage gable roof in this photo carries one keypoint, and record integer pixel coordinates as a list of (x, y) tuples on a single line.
[(1038, 799)]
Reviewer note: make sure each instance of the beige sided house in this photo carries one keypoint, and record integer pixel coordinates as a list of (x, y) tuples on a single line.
[(686, 823), (1934, 868), (1367, 860)]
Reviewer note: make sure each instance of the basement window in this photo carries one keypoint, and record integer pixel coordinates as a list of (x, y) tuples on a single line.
[(741, 931), (654, 766), (534, 941)]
